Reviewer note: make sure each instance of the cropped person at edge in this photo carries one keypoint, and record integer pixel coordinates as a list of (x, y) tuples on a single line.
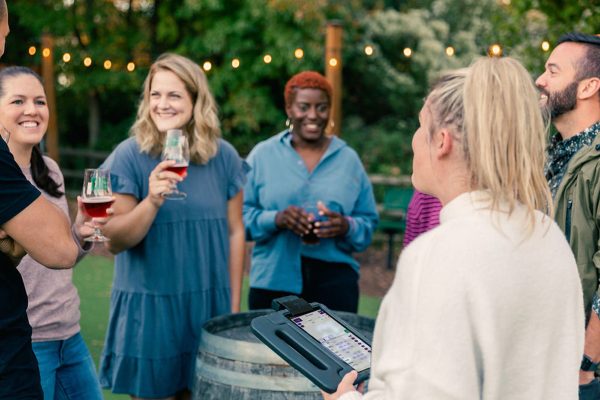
[(65, 363), (51, 243), (488, 304), (570, 89)]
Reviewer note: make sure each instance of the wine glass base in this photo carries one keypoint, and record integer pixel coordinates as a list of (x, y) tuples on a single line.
[(175, 196)]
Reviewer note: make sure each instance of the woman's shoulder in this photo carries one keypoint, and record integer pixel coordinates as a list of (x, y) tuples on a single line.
[(127, 148), (268, 145), (128, 145), (227, 148), (51, 164)]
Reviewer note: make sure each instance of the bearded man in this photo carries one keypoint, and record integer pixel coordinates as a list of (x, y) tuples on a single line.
[(570, 88)]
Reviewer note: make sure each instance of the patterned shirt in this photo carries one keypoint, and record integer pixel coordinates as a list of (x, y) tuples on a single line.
[(561, 151)]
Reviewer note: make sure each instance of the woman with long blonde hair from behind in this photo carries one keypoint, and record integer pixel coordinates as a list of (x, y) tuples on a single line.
[(487, 305), (178, 263)]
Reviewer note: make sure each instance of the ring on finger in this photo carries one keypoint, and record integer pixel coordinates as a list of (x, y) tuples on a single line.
[(158, 176)]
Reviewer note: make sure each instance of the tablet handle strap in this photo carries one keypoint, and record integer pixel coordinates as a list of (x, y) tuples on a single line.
[(294, 304)]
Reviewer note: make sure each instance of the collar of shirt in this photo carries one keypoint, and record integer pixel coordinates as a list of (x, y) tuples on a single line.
[(561, 151)]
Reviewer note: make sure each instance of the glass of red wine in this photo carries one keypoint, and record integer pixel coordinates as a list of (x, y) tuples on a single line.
[(97, 198), (176, 148)]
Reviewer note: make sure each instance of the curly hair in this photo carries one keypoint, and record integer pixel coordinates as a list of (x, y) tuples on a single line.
[(203, 130), (306, 80)]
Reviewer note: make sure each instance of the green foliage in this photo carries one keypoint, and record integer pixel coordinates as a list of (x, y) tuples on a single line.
[(382, 94)]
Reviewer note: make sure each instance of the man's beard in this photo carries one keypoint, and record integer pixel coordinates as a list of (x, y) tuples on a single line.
[(563, 101)]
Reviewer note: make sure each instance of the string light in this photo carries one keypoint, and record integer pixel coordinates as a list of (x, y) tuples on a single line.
[(545, 45), (495, 50)]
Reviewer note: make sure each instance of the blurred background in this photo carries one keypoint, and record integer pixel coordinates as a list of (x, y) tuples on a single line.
[(100, 51)]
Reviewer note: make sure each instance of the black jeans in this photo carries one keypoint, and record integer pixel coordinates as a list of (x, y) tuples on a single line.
[(590, 391), (333, 284)]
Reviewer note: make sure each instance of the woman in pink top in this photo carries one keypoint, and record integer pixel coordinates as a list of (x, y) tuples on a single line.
[(423, 214), (66, 366)]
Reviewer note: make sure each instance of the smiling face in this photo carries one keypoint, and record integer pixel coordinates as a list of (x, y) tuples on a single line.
[(170, 103), (558, 84), (309, 113), (24, 110)]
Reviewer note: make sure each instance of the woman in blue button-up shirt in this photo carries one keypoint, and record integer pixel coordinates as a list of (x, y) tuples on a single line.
[(296, 170)]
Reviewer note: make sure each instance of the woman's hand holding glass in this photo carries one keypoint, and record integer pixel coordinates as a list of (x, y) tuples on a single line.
[(331, 224), (95, 203), (295, 219), (85, 226)]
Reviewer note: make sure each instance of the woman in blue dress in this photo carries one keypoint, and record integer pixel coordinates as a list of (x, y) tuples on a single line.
[(178, 263)]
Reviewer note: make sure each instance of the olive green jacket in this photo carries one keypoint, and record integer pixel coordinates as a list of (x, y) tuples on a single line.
[(577, 212)]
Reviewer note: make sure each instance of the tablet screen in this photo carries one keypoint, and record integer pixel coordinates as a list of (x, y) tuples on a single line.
[(335, 337)]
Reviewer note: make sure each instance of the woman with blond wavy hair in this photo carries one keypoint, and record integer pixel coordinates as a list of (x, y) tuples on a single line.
[(178, 263), (488, 305)]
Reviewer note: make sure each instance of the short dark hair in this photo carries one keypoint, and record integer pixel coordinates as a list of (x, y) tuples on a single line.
[(589, 65)]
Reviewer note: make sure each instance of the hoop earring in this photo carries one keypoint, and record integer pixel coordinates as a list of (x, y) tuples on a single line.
[(289, 124)]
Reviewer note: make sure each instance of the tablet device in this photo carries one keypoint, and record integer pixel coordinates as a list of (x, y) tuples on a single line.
[(315, 341)]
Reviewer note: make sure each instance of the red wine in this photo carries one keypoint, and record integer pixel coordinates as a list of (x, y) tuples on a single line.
[(178, 169), (96, 207)]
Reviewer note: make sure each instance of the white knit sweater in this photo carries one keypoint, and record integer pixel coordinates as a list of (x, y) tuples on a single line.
[(480, 310)]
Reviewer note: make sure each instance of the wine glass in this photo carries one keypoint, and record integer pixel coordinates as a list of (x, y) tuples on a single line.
[(176, 148), (312, 209), (97, 198)]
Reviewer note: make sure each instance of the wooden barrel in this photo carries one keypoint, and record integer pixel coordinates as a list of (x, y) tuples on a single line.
[(233, 364)]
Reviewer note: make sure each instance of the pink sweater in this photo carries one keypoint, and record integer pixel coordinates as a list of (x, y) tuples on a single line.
[(53, 309)]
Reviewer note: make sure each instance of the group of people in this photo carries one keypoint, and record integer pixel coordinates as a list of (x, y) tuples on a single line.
[(177, 263), (487, 305)]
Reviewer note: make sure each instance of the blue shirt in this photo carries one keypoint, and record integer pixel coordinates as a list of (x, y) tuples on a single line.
[(278, 179)]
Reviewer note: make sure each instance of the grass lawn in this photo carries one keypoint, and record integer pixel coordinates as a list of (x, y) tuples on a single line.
[(93, 278)]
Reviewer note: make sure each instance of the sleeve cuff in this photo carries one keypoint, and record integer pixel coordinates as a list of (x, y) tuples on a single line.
[(596, 304), (266, 221), (81, 250), (351, 227)]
